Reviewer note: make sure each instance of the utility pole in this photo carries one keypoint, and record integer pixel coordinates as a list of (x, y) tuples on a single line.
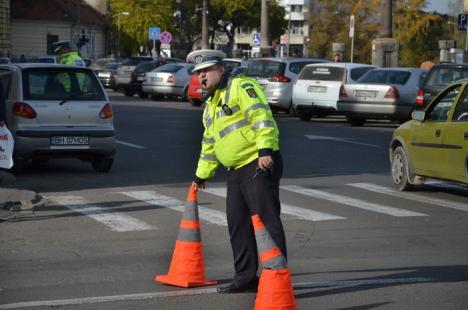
[(204, 41), (264, 41)]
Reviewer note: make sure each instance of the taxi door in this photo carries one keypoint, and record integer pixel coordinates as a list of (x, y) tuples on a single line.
[(426, 148), (455, 140)]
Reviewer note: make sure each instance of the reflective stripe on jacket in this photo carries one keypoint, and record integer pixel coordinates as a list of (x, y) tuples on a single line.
[(235, 132)]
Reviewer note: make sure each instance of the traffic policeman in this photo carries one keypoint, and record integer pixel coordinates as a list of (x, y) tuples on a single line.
[(241, 134), (68, 57)]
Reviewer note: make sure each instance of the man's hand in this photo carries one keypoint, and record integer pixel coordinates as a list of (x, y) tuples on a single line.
[(265, 162), (199, 186)]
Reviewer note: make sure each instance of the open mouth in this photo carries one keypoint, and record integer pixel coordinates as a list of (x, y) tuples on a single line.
[(203, 82)]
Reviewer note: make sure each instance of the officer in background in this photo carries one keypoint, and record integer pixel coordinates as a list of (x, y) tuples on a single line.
[(240, 133), (68, 57)]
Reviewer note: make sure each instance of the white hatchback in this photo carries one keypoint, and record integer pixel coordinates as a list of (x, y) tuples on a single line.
[(317, 87)]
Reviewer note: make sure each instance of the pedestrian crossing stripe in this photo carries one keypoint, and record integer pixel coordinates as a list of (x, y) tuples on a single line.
[(411, 196), (210, 215), (115, 221), (300, 213), (352, 202)]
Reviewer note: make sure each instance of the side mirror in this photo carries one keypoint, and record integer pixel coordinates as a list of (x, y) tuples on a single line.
[(418, 115)]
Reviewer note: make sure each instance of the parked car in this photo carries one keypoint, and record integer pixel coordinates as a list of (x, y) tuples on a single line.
[(139, 76), (100, 63), (384, 93), (168, 80), (435, 142), (124, 73), (438, 77), (195, 91), (56, 111), (5, 60), (107, 75), (276, 76), (51, 59), (317, 87)]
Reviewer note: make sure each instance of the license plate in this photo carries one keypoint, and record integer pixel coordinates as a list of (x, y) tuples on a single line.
[(141, 78), (366, 94), (317, 89), (156, 79), (103, 74), (69, 140)]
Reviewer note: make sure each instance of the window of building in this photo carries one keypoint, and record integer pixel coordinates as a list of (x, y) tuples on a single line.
[(296, 8)]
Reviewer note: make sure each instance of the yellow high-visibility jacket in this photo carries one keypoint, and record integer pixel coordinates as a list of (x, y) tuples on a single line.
[(72, 58), (237, 139)]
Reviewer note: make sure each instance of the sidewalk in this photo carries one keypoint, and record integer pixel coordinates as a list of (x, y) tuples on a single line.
[(14, 199)]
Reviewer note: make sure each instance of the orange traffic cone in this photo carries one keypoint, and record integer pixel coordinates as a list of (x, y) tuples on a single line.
[(187, 267), (275, 289)]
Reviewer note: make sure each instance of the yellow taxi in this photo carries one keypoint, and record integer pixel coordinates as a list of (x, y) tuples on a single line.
[(434, 143)]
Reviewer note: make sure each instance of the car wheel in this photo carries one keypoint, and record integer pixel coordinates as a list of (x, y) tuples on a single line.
[(19, 165), (356, 121), (304, 116), (102, 164), (128, 92), (156, 97), (195, 103), (142, 95), (401, 170)]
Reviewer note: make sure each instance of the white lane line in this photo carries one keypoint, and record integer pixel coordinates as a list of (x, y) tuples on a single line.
[(315, 137), (102, 299), (352, 202), (301, 213), (115, 221), (209, 215), (411, 196), (194, 291), (130, 144)]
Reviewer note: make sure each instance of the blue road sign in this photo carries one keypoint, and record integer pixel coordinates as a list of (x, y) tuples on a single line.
[(462, 19), (256, 39), (154, 33)]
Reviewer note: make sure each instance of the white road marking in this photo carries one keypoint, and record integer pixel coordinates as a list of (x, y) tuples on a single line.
[(315, 137), (301, 213), (102, 299), (209, 215), (130, 144), (194, 291), (411, 196), (115, 221), (352, 202)]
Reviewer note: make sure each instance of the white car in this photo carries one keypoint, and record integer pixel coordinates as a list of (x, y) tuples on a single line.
[(168, 80), (317, 87)]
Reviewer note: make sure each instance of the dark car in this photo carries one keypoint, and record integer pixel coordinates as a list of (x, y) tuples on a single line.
[(139, 75), (107, 74), (438, 77)]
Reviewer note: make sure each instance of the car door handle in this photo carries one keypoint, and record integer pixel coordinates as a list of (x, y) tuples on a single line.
[(465, 135), (437, 133)]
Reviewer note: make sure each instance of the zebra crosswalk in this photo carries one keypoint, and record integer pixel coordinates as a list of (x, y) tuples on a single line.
[(210, 213)]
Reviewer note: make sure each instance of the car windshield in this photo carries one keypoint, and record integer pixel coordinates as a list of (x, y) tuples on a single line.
[(385, 77), (445, 75), (60, 84), (322, 73), (265, 68), (170, 68), (146, 66), (111, 65)]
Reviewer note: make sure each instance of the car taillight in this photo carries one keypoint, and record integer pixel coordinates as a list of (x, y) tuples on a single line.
[(392, 93), (170, 79), (24, 110), (343, 93), (420, 98), (106, 111), (279, 78)]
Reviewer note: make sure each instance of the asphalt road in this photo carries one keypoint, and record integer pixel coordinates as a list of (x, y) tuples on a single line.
[(353, 242)]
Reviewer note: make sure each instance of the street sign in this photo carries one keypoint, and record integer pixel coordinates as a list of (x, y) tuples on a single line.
[(256, 39), (153, 33), (462, 18), (166, 37), (351, 26)]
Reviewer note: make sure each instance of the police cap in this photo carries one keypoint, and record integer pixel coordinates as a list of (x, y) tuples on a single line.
[(60, 44), (205, 58)]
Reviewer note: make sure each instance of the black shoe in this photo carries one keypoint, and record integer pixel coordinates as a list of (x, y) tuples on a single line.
[(234, 288)]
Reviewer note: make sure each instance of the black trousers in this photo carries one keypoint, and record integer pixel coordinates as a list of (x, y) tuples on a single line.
[(246, 197)]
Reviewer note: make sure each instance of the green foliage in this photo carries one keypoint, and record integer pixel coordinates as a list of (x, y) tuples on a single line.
[(417, 31)]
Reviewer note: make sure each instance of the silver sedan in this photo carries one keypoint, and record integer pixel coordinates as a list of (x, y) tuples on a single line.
[(168, 80), (384, 93)]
